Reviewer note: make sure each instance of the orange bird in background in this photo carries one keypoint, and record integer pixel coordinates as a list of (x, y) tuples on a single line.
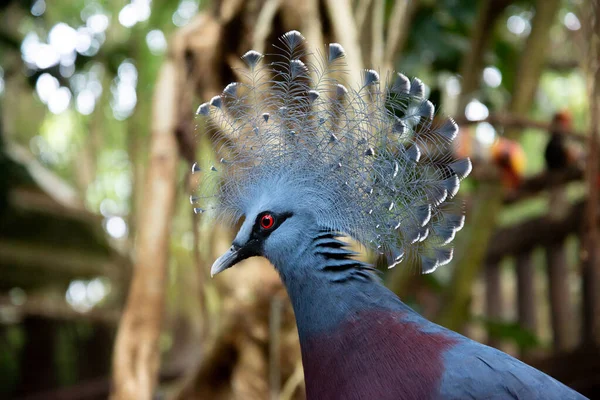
[(505, 154), (509, 157)]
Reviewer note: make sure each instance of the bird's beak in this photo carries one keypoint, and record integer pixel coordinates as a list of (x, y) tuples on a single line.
[(227, 260)]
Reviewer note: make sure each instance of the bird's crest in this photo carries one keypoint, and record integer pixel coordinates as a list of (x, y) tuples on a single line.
[(370, 160)]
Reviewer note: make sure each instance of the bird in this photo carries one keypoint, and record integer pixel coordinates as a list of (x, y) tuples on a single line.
[(558, 155), (505, 155), (508, 155), (305, 162)]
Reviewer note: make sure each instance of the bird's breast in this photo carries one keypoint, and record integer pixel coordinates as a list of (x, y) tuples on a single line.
[(375, 355)]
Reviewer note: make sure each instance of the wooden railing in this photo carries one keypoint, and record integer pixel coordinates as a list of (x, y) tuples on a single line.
[(520, 242), (574, 359)]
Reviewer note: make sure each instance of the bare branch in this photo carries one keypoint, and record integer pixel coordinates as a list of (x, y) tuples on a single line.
[(528, 235), (41, 305), (275, 347), (361, 13), (264, 23), (544, 181), (514, 121), (340, 14), (294, 381), (397, 30), (311, 25), (377, 27)]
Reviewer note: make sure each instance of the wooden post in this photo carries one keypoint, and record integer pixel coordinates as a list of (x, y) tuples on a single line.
[(558, 285), (493, 297), (526, 293)]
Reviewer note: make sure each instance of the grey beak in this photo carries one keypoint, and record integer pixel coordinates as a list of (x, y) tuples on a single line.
[(227, 260)]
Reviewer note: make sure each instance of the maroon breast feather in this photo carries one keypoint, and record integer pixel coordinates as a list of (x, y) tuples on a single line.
[(375, 355)]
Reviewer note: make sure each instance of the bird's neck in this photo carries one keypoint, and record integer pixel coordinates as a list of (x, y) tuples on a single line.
[(354, 331), (326, 284)]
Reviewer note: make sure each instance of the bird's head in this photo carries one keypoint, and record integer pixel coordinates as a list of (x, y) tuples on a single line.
[(267, 234), (276, 225), (562, 121)]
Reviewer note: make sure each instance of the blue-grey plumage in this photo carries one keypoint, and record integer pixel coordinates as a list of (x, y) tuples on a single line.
[(492, 374), (305, 159)]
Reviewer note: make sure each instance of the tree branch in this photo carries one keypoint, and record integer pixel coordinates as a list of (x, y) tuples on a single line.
[(517, 122), (42, 306), (526, 236), (397, 31), (342, 21), (544, 181)]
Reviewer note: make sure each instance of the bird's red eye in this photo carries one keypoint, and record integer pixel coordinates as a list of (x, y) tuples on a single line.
[(267, 221)]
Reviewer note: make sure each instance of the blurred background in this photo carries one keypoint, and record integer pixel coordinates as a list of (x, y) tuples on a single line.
[(104, 283)]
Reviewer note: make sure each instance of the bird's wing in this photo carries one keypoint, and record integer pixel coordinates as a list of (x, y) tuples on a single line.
[(476, 371)]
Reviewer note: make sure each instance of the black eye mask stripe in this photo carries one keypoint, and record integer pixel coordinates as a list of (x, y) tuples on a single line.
[(254, 246)]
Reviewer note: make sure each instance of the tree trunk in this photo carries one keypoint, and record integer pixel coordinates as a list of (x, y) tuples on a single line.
[(136, 350), (591, 262)]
